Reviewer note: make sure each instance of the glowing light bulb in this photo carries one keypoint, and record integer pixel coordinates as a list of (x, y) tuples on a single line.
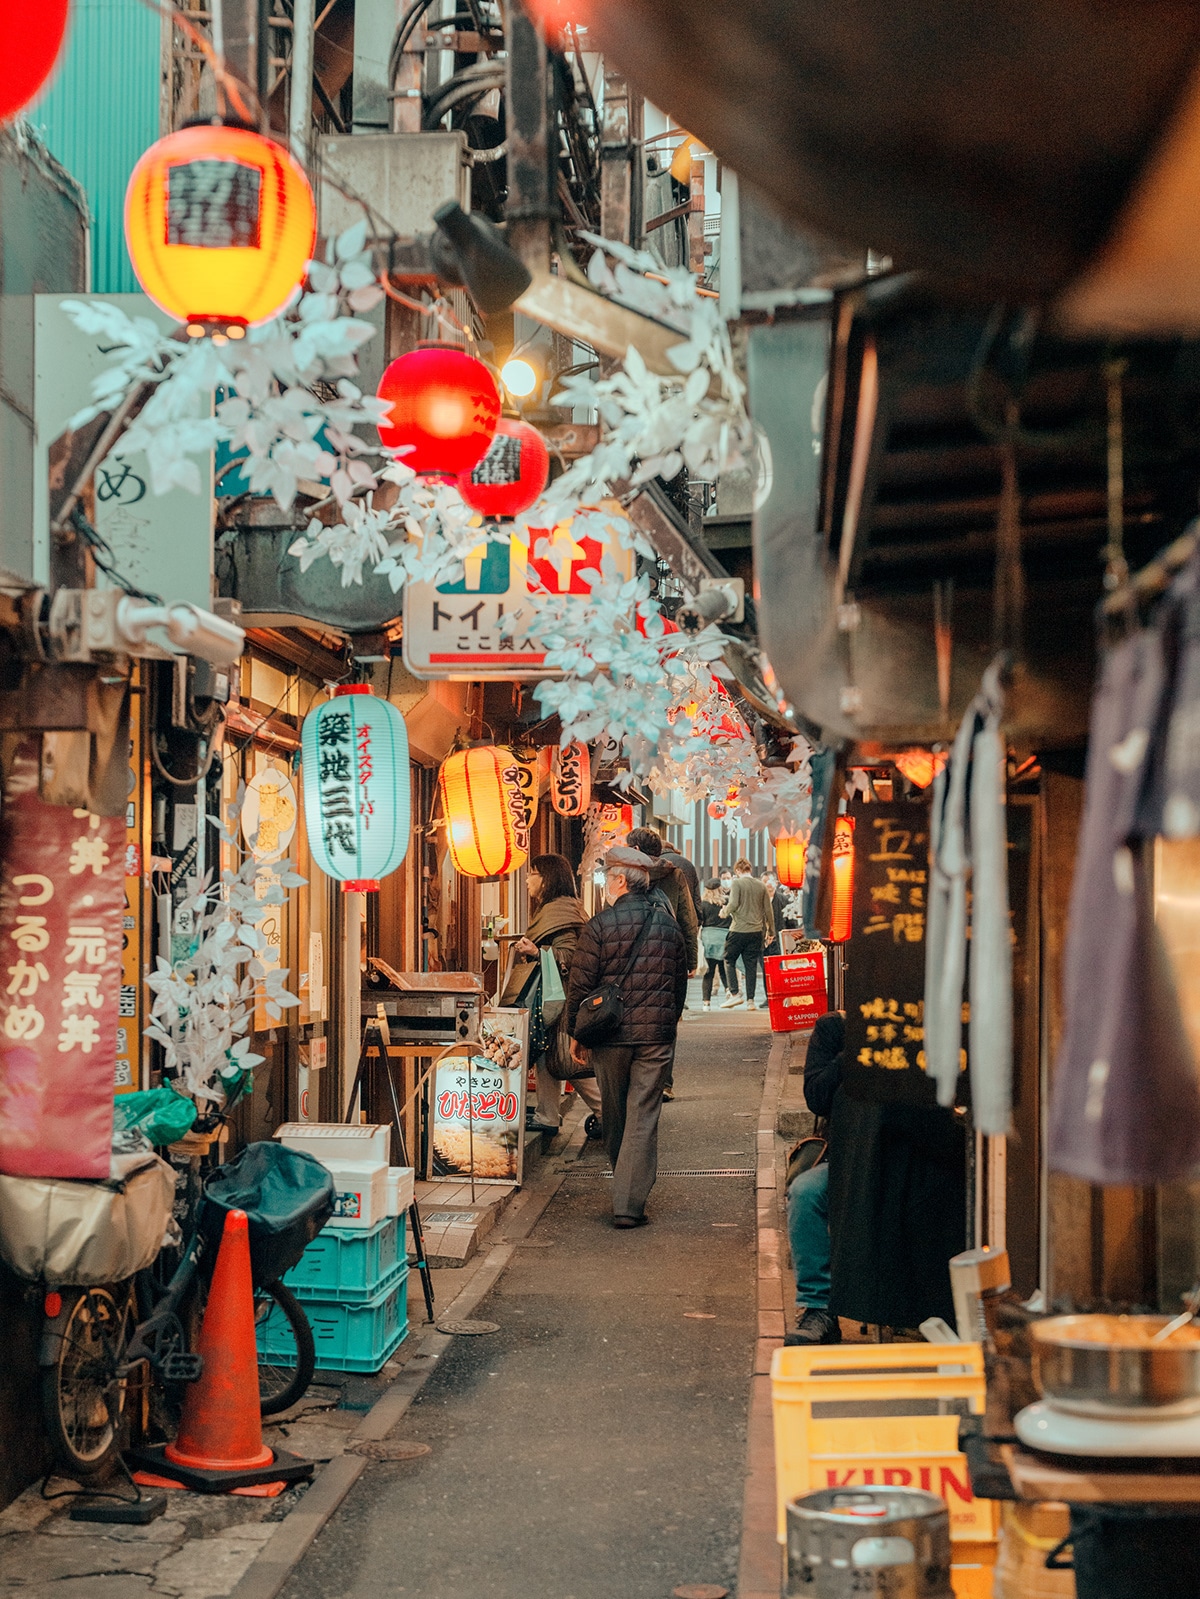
[(519, 377)]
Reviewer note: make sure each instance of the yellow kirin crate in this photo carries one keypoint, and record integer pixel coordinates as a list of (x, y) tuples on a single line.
[(885, 1449)]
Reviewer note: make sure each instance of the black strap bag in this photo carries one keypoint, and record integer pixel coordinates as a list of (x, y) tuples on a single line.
[(601, 1012)]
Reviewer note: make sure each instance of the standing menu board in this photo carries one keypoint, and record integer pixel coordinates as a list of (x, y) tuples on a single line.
[(885, 955), (478, 1104)]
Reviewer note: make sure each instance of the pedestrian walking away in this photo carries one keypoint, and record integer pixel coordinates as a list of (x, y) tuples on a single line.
[(635, 944), (558, 916), (670, 886), (751, 927)]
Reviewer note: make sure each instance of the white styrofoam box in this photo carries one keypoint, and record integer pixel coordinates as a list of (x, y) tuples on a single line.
[(400, 1189), (360, 1190), (338, 1140)]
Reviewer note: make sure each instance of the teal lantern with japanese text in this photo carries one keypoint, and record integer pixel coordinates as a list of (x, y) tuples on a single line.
[(354, 752)]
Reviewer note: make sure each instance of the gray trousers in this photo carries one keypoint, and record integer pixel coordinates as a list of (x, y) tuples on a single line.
[(631, 1079)]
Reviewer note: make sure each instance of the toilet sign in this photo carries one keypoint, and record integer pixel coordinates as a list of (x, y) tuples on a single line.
[(458, 629)]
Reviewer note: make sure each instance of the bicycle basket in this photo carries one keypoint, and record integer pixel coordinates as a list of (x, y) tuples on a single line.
[(60, 1230), (287, 1195)]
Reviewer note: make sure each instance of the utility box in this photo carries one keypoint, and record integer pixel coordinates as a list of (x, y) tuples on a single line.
[(403, 177)]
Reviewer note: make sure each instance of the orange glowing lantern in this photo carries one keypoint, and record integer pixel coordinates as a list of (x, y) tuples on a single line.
[(485, 811), (31, 35), (220, 224), (791, 853), (841, 921), (920, 766)]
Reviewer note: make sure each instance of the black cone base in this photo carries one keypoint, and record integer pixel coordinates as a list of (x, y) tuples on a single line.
[(284, 1468)]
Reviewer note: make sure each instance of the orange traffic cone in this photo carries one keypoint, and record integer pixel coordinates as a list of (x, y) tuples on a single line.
[(219, 1446)]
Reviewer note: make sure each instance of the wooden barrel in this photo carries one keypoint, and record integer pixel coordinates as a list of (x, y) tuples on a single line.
[(1027, 1534)]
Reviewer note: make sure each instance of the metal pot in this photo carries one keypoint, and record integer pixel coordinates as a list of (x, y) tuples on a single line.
[(892, 1543), (1096, 1366)]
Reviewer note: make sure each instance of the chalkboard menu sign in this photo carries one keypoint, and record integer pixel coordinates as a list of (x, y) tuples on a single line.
[(885, 956)]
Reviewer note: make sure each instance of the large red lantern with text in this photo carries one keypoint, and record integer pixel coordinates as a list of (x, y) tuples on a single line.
[(791, 853), (841, 921), (444, 409), (511, 475), (220, 224), (31, 35)]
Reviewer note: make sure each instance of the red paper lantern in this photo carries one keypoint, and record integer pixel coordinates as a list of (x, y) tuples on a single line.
[(31, 35), (220, 224), (841, 920), (445, 406), (511, 475)]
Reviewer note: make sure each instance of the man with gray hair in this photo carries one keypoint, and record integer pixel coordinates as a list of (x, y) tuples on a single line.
[(635, 944)]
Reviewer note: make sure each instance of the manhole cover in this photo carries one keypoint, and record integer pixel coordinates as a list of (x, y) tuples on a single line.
[(468, 1329), (390, 1449), (699, 1590)]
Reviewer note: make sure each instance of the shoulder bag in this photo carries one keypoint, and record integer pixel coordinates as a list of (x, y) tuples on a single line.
[(601, 1012)]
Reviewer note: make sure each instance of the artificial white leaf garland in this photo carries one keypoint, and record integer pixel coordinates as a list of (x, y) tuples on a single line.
[(203, 1004)]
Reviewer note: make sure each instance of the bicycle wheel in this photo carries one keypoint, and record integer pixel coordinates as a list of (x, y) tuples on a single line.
[(286, 1354), (83, 1395)]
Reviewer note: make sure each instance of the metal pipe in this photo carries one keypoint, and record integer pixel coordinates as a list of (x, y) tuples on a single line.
[(300, 106)]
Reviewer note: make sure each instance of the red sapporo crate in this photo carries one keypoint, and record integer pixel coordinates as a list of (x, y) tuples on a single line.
[(794, 974), (792, 1012)]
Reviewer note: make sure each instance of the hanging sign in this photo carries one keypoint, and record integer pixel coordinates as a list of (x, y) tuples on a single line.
[(527, 774), (571, 780), (62, 908), (356, 787), (885, 970), (269, 812), (127, 1072), (455, 629)]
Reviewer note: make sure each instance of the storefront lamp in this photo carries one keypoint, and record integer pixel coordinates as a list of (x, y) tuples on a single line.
[(841, 920), (354, 749), (485, 811), (444, 409), (571, 780), (220, 224), (791, 852), (512, 474), (520, 377), (31, 35)]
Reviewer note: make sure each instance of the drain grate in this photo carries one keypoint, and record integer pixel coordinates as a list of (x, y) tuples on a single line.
[(712, 1171)]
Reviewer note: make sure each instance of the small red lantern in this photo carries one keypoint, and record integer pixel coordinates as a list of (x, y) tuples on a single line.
[(445, 406), (220, 224), (511, 475), (31, 35)]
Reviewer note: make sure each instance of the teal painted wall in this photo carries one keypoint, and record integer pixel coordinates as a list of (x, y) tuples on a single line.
[(100, 111)]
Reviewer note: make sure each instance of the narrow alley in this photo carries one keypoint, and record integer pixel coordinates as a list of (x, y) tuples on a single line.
[(595, 1445)]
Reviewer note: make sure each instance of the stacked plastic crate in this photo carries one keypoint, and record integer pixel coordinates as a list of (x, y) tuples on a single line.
[(353, 1278)]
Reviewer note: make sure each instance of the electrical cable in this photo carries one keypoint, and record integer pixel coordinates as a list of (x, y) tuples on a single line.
[(104, 556)]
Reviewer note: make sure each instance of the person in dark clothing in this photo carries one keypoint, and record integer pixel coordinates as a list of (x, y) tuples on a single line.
[(897, 1209), (688, 870), (632, 1067), (713, 936), (808, 1194), (669, 886), (780, 903)]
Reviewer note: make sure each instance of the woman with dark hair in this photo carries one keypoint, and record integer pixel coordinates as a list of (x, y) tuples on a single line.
[(557, 916), (713, 937)]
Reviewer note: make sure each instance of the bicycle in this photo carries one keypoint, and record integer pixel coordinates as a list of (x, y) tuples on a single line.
[(101, 1345)]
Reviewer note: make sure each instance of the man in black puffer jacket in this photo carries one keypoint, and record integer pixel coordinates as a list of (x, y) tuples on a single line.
[(632, 1067)]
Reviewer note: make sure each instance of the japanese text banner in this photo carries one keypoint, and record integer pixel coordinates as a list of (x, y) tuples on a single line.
[(62, 905)]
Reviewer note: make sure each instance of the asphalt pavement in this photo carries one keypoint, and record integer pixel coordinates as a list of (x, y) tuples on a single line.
[(594, 1447)]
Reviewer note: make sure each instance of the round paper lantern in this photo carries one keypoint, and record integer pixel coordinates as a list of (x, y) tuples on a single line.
[(791, 852), (841, 920), (220, 224), (484, 810), (511, 475), (445, 407), (571, 780), (354, 749), (31, 35)]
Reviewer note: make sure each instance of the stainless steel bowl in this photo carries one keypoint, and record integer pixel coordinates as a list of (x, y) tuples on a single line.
[(1105, 1366)]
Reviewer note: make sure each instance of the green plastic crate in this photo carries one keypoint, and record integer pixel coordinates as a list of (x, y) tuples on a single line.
[(347, 1337), (349, 1266)]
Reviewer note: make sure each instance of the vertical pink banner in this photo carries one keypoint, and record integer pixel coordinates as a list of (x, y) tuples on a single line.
[(62, 907)]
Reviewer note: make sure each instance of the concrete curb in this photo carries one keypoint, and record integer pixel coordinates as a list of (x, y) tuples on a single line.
[(296, 1533), (759, 1566)]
